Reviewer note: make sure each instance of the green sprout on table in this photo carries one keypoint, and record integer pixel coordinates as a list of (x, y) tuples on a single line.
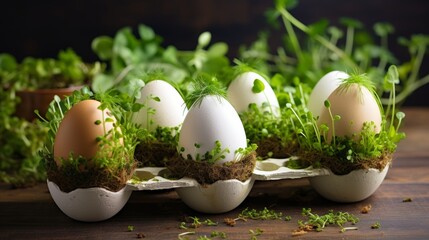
[(319, 222)]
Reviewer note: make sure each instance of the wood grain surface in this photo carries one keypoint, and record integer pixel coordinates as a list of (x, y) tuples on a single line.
[(31, 213)]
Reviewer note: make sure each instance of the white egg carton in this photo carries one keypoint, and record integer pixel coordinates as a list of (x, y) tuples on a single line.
[(266, 170)]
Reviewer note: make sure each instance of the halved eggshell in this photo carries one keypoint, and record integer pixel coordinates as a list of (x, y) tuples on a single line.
[(219, 197), (353, 187), (89, 204)]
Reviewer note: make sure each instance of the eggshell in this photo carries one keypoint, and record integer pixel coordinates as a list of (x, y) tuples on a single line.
[(169, 111), (77, 132), (353, 187), (219, 197), (321, 91), (356, 105), (89, 204), (240, 94), (213, 119)]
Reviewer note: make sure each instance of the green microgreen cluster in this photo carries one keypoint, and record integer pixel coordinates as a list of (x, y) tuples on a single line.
[(367, 149), (21, 141), (311, 50), (272, 135), (116, 147), (212, 156), (319, 222), (195, 222), (205, 86), (130, 56), (66, 70), (265, 214)]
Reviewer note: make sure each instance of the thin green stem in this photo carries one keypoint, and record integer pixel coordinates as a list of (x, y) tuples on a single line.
[(417, 63), (349, 40), (293, 38), (408, 90), (340, 53), (393, 104), (333, 125)]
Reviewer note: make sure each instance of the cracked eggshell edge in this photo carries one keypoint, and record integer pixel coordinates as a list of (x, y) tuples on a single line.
[(219, 197), (89, 204)]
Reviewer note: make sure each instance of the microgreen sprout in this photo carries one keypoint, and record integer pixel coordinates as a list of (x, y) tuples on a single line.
[(130, 228), (255, 233), (319, 222), (218, 234), (195, 222), (376, 225), (265, 214), (204, 86)]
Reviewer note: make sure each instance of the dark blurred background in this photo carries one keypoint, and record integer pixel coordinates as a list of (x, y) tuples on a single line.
[(43, 28)]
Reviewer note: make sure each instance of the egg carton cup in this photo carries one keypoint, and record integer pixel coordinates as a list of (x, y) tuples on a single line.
[(267, 170)]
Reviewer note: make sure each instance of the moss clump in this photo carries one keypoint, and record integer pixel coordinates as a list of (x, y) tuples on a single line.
[(154, 154), (81, 173), (341, 166), (274, 147), (207, 173)]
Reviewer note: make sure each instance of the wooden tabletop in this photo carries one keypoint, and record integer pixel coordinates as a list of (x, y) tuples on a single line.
[(31, 213)]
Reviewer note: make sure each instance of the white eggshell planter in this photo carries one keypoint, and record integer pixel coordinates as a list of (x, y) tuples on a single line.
[(89, 204), (353, 187), (219, 197), (98, 204)]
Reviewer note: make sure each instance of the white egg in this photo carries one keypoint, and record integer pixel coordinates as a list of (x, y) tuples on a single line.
[(240, 94), (163, 106), (209, 120), (356, 105), (324, 87)]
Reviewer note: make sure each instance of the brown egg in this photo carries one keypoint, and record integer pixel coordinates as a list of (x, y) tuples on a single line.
[(356, 105), (78, 131)]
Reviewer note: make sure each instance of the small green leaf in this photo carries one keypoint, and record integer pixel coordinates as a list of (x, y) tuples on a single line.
[(318, 27), (392, 75), (7, 62), (156, 99), (327, 103), (97, 122), (218, 49), (400, 115), (383, 29), (204, 39), (277, 81), (103, 47), (335, 32), (146, 33), (350, 22), (258, 86)]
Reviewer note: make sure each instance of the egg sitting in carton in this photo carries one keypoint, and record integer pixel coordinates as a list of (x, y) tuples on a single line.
[(351, 135), (89, 157), (213, 151), (254, 99), (161, 116)]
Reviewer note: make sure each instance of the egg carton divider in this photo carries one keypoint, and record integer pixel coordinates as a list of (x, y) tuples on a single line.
[(266, 170)]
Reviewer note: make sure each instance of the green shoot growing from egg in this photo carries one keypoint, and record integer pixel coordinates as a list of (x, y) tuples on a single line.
[(352, 131), (91, 141), (212, 139)]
